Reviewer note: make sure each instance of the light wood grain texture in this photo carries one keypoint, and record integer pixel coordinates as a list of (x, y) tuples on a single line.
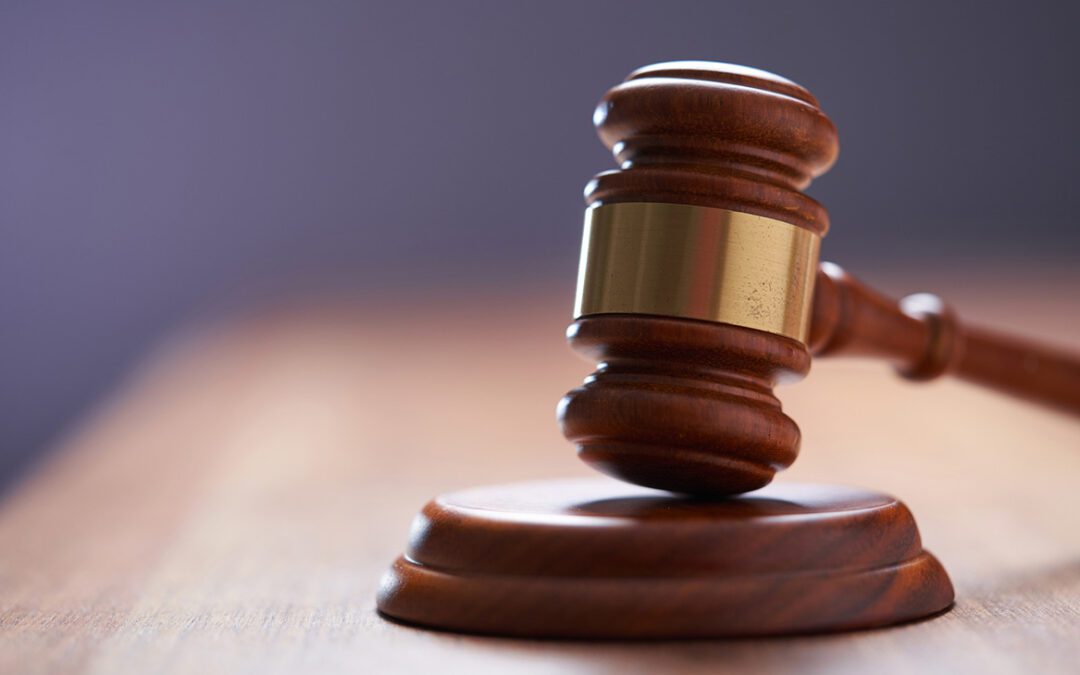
[(232, 507)]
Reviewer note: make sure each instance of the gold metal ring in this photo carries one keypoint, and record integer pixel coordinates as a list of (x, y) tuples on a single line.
[(698, 263)]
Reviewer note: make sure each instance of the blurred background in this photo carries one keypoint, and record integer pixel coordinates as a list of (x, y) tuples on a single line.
[(168, 164)]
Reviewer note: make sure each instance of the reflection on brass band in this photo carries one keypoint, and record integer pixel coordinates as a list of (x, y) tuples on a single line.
[(698, 263)]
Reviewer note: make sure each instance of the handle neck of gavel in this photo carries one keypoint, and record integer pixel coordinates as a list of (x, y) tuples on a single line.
[(922, 337)]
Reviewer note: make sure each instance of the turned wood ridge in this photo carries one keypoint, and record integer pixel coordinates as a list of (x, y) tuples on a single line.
[(687, 405)]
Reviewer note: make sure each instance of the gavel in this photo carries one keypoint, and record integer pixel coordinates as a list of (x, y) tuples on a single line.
[(699, 287), (699, 290)]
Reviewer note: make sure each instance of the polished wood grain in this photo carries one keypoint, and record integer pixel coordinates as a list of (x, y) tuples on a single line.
[(682, 405), (231, 507), (679, 404), (923, 338), (724, 136), (599, 559), (715, 135)]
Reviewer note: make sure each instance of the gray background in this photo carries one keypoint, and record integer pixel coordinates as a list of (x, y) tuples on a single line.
[(163, 162)]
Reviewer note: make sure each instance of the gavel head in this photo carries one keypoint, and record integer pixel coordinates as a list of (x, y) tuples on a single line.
[(696, 279)]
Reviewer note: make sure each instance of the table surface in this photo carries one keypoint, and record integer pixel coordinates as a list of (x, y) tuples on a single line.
[(232, 506)]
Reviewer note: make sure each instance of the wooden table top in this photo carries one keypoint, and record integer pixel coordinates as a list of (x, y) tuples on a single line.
[(232, 507)]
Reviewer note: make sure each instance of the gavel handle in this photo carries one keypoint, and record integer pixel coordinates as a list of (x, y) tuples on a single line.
[(921, 336)]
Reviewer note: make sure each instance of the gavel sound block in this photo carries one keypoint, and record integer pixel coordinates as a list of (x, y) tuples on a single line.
[(700, 290)]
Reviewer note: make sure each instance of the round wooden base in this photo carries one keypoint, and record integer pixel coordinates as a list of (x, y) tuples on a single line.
[(602, 559)]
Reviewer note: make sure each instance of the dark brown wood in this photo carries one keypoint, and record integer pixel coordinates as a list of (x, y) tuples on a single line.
[(688, 406), (683, 405), (715, 135), (923, 338), (600, 559), (679, 404)]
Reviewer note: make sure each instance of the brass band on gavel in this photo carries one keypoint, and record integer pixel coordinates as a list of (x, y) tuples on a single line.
[(698, 263)]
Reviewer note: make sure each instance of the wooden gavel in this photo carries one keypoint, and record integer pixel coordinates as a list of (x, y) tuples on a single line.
[(700, 288)]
